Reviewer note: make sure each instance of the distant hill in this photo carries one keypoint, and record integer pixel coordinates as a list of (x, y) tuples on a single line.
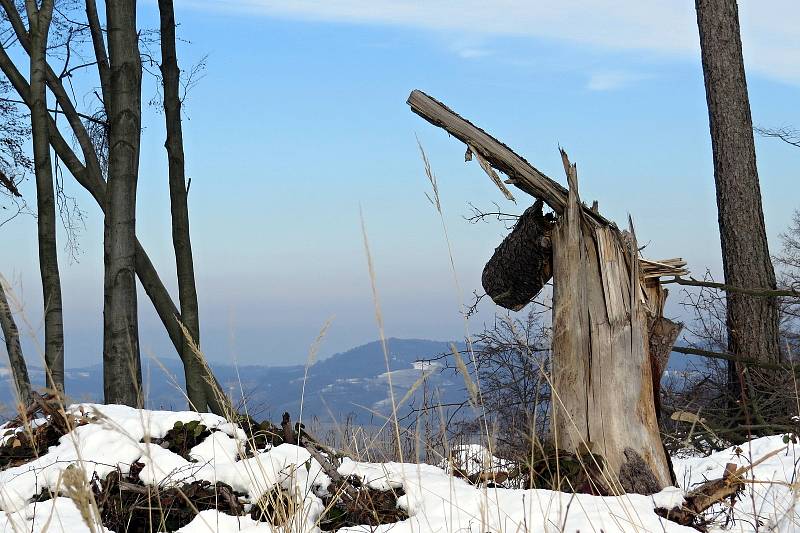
[(351, 383)]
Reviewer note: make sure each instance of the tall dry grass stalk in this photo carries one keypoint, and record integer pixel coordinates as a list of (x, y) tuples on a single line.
[(381, 331)]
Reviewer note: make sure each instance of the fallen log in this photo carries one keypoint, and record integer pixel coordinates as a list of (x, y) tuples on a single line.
[(703, 497)]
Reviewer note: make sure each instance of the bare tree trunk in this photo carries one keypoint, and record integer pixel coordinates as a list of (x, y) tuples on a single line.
[(121, 364), (181, 240), (39, 19), (15, 359), (752, 322), (100, 54), (89, 176)]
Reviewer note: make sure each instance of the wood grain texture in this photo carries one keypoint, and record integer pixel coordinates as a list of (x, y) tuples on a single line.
[(602, 373)]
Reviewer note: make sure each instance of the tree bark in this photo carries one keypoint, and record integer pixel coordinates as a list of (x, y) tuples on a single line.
[(121, 363), (523, 263), (752, 322), (19, 369), (100, 53), (181, 239), (39, 20)]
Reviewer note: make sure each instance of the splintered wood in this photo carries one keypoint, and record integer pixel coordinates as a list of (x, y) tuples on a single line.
[(662, 268), (602, 371)]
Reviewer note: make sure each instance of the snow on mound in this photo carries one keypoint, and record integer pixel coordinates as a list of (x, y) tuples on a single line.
[(118, 437), (472, 459)]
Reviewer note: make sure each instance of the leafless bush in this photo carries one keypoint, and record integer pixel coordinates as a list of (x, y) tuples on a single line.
[(789, 261), (509, 361)]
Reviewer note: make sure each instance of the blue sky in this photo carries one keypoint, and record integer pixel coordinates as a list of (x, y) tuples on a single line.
[(300, 121)]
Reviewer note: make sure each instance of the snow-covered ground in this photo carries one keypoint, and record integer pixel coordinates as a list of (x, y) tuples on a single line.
[(434, 500)]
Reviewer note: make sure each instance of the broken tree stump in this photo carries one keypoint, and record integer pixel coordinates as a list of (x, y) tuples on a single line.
[(602, 374), (606, 360)]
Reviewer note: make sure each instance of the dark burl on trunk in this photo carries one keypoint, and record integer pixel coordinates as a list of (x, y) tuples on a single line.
[(523, 263)]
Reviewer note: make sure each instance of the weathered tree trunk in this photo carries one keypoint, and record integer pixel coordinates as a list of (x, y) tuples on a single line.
[(39, 19), (122, 371), (603, 392), (602, 381), (19, 369), (181, 241), (752, 322)]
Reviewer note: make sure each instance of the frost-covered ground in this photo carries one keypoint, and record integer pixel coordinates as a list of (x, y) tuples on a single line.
[(434, 500)]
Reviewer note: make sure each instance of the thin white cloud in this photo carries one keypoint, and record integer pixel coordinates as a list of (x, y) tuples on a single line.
[(771, 34), (473, 47), (612, 80), (473, 53)]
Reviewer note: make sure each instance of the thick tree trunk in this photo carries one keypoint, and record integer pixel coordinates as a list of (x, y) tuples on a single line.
[(181, 240), (602, 374), (39, 20), (19, 369), (752, 322), (121, 364)]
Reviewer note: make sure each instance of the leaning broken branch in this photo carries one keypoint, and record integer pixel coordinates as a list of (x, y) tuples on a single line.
[(491, 151)]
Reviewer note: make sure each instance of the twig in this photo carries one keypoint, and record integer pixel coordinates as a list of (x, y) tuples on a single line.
[(735, 358), (766, 293)]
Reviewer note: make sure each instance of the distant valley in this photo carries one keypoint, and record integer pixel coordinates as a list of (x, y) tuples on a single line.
[(351, 384)]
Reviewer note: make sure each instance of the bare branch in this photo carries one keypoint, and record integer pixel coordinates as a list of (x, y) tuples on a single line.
[(787, 135)]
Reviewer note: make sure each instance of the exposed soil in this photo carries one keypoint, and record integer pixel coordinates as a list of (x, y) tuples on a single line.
[(127, 505), (371, 507)]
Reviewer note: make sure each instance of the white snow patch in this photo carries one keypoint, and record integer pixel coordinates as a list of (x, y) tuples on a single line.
[(435, 500)]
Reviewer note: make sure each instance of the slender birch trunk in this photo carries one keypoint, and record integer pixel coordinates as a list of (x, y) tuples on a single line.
[(121, 364), (181, 241), (19, 369), (39, 19)]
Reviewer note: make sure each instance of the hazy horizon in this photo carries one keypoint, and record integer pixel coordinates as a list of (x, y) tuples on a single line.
[(300, 122)]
